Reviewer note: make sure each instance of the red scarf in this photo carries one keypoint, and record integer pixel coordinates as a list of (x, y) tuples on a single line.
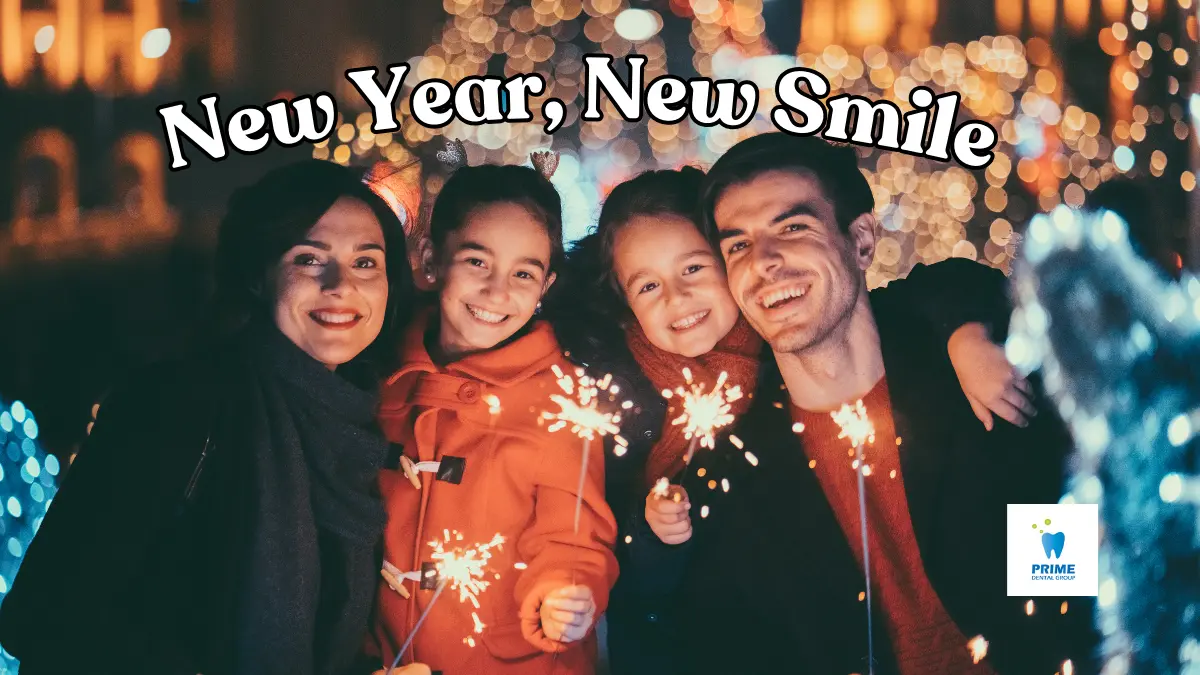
[(737, 354)]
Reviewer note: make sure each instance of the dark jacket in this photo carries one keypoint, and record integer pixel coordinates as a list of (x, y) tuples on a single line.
[(133, 570), (644, 624), (771, 581), (117, 556)]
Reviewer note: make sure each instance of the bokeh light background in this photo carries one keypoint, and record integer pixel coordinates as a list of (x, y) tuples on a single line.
[(28, 482), (1052, 151)]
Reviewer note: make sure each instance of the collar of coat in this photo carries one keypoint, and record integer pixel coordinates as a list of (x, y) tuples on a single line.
[(513, 362)]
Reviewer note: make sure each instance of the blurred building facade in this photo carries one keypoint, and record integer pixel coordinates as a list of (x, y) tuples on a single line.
[(104, 252), (83, 166)]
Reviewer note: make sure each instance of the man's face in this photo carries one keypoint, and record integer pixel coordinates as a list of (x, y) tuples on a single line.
[(795, 275)]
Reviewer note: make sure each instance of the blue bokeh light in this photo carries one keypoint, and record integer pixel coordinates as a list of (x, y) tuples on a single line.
[(28, 483), (1123, 158)]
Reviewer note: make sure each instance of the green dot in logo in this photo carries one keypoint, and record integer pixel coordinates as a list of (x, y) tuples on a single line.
[(1035, 526), (1047, 521)]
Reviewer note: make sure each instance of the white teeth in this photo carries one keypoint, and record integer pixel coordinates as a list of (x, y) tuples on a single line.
[(781, 295), (689, 321), (334, 317), (484, 315)]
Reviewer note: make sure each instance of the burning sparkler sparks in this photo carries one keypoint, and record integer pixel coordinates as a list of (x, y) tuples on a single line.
[(493, 402), (463, 569), (856, 426), (704, 412), (459, 569), (582, 412), (662, 488), (978, 647), (580, 407)]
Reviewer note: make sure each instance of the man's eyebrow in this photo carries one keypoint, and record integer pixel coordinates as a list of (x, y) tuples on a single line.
[(801, 209)]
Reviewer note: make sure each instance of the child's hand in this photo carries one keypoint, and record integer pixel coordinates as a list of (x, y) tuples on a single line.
[(568, 613), (668, 516), (988, 379)]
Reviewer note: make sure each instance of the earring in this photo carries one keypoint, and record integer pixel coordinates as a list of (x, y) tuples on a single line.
[(538, 308)]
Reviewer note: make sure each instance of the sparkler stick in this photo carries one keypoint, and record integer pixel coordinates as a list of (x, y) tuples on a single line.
[(704, 413), (857, 427), (420, 620), (580, 410), (461, 570), (582, 478)]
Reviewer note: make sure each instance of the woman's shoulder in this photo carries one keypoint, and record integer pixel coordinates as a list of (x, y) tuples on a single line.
[(184, 383)]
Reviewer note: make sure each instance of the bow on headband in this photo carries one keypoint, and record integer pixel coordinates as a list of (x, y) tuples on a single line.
[(454, 156)]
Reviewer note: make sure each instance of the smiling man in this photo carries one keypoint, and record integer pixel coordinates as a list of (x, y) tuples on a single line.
[(777, 582)]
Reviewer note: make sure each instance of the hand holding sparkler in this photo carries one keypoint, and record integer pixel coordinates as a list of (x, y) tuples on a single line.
[(567, 613), (667, 512)]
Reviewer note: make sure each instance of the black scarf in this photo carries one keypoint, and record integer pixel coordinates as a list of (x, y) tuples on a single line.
[(309, 567)]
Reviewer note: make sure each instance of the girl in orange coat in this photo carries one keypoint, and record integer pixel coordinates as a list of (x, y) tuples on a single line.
[(478, 461)]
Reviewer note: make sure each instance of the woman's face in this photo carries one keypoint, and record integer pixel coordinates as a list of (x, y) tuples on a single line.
[(331, 289), (674, 284), (494, 270)]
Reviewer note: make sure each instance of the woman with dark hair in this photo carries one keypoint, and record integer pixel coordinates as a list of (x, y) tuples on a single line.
[(223, 516), (647, 297)]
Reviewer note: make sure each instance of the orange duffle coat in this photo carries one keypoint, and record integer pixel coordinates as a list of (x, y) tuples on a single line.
[(518, 480)]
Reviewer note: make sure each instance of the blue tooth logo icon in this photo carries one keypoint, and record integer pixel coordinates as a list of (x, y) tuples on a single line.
[(1053, 543)]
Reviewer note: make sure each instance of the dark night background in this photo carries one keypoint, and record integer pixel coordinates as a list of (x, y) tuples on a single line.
[(78, 310)]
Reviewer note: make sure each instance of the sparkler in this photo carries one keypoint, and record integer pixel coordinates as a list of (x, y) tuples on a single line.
[(662, 488), (579, 409), (856, 426), (462, 570), (703, 412), (979, 647)]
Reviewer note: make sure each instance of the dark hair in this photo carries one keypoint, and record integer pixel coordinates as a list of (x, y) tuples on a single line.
[(1134, 203), (472, 187), (265, 219), (835, 166), (653, 193)]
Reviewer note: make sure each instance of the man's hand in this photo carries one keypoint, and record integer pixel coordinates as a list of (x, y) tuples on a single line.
[(668, 516), (990, 382), (568, 613)]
